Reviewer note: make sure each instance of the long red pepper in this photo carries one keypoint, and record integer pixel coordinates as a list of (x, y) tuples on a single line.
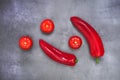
[(94, 40), (57, 55)]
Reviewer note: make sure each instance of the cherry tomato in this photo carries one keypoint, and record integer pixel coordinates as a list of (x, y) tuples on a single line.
[(75, 42), (47, 26), (25, 42)]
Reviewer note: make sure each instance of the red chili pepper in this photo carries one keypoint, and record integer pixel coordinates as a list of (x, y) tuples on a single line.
[(57, 55), (94, 40)]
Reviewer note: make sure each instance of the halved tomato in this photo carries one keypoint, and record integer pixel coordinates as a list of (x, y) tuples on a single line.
[(25, 42), (75, 42), (47, 26)]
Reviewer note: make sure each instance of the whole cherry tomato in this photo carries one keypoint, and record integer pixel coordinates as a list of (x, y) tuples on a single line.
[(47, 26), (25, 42), (75, 42)]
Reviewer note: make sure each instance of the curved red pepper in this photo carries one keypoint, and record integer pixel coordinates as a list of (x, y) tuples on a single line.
[(94, 40), (57, 55)]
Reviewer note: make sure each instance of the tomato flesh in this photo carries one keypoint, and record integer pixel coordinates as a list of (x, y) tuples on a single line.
[(25, 42), (75, 42), (47, 26)]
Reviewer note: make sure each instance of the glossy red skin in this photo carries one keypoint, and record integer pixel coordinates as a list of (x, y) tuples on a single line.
[(49, 23), (94, 40), (27, 40), (57, 55), (72, 41)]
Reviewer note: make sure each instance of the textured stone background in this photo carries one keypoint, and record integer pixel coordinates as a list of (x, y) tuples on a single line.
[(20, 17)]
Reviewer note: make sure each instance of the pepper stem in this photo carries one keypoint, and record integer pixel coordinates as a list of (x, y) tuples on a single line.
[(76, 60), (97, 60)]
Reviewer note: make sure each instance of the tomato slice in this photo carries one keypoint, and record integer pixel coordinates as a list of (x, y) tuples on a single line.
[(75, 42), (25, 42), (47, 26)]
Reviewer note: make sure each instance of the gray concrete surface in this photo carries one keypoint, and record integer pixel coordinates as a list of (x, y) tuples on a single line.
[(22, 17)]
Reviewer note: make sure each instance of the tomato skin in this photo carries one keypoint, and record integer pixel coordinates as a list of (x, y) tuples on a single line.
[(47, 26), (75, 42), (25, 42)]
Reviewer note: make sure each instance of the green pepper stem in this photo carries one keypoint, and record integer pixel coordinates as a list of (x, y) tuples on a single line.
[(76, 60), (97, 60)]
